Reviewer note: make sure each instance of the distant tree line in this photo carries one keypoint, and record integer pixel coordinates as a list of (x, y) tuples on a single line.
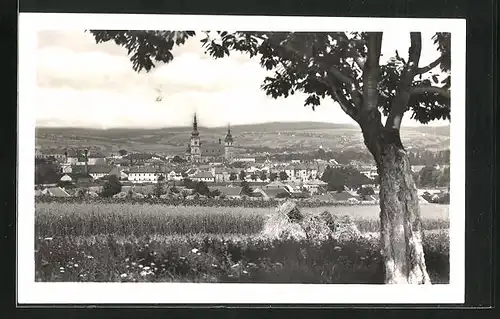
[(345, 157), (340, 177), (429, 176), (47, 171)]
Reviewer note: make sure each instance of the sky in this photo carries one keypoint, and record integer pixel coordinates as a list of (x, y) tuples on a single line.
[(84, 84)]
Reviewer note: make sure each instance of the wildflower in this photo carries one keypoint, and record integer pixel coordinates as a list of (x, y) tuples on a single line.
[(133, 264), (61, 268), (143, 273), (127, 259), (337, 248), (75, 265), (199, 254), (245, 272), (152, 264), (146, 268), (48, 238), (194, 250), (140, 266), (90, 257), (123, 275)]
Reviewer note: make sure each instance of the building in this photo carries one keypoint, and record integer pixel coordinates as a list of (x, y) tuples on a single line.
[(315, 186), (301, 171), (273, 192), (56, 192), (175, 174), (197, 151), (345, 197), (77, 178), (99, 171), (243, 158), (228, 192), (80, 157), (206, 177), (222, 175), (144, 174), (275, 185)]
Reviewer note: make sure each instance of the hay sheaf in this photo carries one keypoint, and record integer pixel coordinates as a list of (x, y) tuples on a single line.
[(288, 222)]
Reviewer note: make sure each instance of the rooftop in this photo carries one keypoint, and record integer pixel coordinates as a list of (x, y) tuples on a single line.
[(230, 191), (144, 169), (203, 175)]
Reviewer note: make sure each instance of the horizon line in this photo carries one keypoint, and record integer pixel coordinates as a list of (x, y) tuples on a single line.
[(214, 127)]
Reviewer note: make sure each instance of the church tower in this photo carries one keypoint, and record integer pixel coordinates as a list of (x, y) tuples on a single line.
[(228, 145), (194, 144)]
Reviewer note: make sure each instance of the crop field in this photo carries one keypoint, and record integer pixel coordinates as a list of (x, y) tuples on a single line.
[(144, 242)]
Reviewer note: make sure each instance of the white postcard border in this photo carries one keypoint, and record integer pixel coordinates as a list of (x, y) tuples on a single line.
[(29, 291)]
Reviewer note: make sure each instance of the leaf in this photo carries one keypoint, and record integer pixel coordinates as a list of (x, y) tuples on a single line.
[(435, 79)]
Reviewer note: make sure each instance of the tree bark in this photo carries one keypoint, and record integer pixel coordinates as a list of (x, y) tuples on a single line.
[(401, 231)]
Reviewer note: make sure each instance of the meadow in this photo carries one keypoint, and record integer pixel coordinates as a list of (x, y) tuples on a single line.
[(144, 242)]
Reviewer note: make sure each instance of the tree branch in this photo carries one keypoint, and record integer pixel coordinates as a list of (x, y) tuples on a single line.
[(371, 71), (342, 77), (360, 61), (348, 107), (414, 52), (430, 89), (430, 66), (400, 102), (345, 105)]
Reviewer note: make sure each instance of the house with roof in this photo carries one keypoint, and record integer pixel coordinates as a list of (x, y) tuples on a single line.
[(80, 157), (175, 174), (56, 192), (344, 197), (245, 158), (228, 192), (144, 174), (221, 174), (203, 176), (274, 193), (301, 171), (76, 178), (275, 185), (315, 186), (99, 171), (191, 172)]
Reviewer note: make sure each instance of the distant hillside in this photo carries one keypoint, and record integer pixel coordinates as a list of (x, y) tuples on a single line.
[(302, 136)]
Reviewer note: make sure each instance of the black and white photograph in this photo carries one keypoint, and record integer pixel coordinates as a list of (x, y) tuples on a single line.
[(241, 159)]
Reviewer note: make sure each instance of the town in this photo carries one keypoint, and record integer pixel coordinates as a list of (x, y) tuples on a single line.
[(217, 170)]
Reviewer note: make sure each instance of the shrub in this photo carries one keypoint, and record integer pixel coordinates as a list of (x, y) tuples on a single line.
[(212, 258)]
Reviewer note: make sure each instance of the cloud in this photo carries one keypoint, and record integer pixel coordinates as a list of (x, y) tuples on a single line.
[(81, 83)]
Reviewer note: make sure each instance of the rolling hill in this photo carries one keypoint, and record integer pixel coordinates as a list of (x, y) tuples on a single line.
[(301, 136)]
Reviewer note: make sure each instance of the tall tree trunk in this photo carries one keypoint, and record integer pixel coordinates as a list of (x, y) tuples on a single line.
[(401, 231)]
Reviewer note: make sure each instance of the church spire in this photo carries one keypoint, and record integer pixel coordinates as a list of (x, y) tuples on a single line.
[(229, 137), (195, 126)]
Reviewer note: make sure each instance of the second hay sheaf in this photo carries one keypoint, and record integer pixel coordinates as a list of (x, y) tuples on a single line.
[(290, 223)]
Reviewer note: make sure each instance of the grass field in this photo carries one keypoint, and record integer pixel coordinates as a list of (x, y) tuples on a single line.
[(150, 243), (56, 219)]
